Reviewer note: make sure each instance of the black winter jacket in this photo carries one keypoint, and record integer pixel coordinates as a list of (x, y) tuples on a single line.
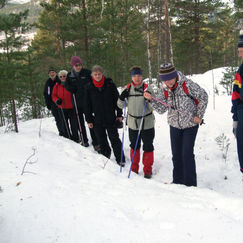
[(48, 91), (101, 104), (76, 85)]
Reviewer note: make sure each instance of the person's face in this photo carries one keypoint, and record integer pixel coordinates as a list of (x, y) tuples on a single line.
[(240, 52), (97, 75), (52, 75), (63, 77), (170, 83), (77, 67), (137, 79)]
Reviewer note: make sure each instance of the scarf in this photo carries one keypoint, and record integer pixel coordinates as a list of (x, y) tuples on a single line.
[(100, 83)]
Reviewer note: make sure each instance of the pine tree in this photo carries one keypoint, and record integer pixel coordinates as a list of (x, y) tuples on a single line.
[(193, 25), (12, 26), (2, 3), (228, 79), (109, 33)]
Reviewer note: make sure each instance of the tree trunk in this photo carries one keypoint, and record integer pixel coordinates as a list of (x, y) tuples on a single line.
[(168, 43), (14, 114), (2, 121), (159, 52), (148, 43), (86, 38), (197, 37)]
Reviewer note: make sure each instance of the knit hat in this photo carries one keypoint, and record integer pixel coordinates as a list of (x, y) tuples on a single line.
[(75, 60), (51, 69), (135, 70), (240, 42), (167, 72)]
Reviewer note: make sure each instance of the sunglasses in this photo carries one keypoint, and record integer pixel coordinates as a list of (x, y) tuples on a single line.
[(78, 65), (64, 76)]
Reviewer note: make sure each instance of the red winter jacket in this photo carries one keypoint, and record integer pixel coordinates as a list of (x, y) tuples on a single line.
[(59, 92)]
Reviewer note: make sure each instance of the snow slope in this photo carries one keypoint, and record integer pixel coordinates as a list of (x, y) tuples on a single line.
[(72, 194)]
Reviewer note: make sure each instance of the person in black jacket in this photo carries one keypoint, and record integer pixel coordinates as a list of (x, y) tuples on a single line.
[(76, 81), (102, 112), (50, 83)]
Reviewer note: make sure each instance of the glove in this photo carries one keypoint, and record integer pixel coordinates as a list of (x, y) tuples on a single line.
[(58, 101), (124, 95), (235, 124)]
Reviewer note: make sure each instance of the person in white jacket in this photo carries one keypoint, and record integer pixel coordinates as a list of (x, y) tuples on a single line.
[(186, 103), (141, 128)]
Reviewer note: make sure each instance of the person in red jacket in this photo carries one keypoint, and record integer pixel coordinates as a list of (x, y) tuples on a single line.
[(62, 98)]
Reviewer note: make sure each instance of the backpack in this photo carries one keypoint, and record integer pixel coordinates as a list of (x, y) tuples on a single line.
[(141, 90), (186, 92)]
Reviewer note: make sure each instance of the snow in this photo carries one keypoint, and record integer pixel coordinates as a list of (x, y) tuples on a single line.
[(19, 1), (72, 194)]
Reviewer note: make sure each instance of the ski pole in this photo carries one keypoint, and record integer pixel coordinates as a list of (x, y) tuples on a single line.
[(165, 104), (172, 107), (65, 122), (79, 125), (139, 131), (124, 124), (180, 111)]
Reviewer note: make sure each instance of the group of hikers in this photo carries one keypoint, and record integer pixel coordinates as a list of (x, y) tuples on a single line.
[(83, 95)]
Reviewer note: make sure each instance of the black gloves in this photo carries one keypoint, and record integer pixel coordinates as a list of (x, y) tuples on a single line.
[(58, 101), (124, 95)]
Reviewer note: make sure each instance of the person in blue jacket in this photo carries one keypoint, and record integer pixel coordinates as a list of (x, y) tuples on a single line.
[(237, 104)]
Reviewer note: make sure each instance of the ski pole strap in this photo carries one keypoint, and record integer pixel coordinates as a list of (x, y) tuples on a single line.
[(171, 107)]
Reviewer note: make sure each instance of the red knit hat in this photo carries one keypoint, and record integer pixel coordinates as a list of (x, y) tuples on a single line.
[(75, 60)]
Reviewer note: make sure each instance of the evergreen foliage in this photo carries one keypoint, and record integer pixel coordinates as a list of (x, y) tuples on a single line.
[(12, 85), (228, 79), (113, 34)]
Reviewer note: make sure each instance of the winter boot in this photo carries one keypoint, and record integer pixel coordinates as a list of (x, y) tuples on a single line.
[(148, 176), (85, 144), (97, 148), (148, 160), (135, 165)]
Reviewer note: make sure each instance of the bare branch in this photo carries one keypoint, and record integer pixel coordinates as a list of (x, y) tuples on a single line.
[(29, 162), (105, 163)]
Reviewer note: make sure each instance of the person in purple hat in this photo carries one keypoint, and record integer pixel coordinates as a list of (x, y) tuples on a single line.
[(76, 81), (186, 103)]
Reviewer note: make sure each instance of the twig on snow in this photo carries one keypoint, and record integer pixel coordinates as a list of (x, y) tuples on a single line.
[(29, 162)]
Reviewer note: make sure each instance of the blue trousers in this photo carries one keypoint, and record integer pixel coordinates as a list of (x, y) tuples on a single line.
[(182, 147)]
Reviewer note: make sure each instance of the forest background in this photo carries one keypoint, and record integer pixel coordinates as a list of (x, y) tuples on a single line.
[(195, 35)]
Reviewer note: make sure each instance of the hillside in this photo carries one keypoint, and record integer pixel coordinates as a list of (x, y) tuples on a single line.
[(33, 7), (69, 193)]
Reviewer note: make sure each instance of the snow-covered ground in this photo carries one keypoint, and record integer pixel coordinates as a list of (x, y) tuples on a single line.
[(72, 194)]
